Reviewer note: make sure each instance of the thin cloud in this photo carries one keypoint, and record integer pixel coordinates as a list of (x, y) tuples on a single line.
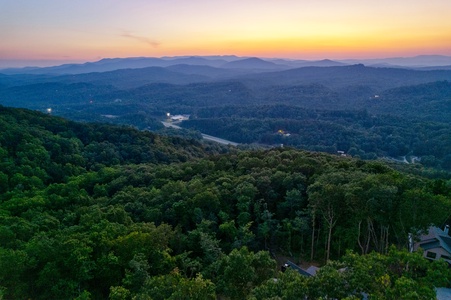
[(143, 39)]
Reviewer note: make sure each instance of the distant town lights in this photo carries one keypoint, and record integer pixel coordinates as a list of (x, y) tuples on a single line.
[(49, 110)]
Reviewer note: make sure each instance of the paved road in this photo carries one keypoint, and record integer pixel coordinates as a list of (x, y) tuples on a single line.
[(166, 124), (205, 136), (218, 140)]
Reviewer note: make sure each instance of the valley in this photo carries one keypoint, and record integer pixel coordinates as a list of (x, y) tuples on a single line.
[(368, 112)]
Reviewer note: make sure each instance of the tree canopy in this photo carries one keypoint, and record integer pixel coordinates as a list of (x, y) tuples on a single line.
[(94, 211)]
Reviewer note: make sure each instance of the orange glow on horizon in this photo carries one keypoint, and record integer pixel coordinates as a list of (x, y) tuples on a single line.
[(91, 30)]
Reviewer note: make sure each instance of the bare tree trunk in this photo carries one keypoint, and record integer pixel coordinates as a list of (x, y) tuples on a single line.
[(313, 237), (369, 236), (330, 220), (318, 235), (358, 239), (328, 242), (384, 239), (386, 242)]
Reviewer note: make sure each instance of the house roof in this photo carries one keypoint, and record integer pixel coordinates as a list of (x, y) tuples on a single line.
[(436, 238), (443, 293), (312, 270), (430, 245), (297, 268), (447, 242)]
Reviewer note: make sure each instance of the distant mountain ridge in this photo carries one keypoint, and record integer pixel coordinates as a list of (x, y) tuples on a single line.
[(426, 62), (112, 64), (420, 61), (254, 63)]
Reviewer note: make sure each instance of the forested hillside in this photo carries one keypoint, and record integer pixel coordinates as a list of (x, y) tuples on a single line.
[(365, 112), (93, 211), (356, 133)]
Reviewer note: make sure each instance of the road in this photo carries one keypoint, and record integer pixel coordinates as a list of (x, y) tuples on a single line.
[(218, 140), (204, 136)]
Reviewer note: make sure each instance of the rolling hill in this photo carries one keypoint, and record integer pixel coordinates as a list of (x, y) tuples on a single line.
[(367, 109)]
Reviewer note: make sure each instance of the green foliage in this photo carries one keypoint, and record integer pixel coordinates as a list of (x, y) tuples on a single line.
[(366, 112), (356, 133), (174, 286), (288, 286), (397, 275), (240, 271), (115, 219), (37, 149)]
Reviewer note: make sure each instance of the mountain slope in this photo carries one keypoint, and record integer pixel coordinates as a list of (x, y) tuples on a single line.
[(253, 63), (333, 77), (130, 78), (53, 144), (112, 64)]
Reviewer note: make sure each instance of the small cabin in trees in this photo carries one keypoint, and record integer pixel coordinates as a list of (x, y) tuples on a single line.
[(436, 244)]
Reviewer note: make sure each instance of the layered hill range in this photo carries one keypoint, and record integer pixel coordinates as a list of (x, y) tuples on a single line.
[(381, 86), (352, 106), (423, 62)]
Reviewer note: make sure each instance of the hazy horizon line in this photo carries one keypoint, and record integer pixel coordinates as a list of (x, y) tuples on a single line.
[(43, 63)]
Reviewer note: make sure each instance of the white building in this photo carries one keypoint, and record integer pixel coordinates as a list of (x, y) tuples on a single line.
[(179, 118)]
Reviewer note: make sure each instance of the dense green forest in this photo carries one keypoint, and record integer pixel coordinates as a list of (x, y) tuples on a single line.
[(356, 133), (96, 211), (365, 112)]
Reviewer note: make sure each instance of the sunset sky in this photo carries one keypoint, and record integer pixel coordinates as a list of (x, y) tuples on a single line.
[(56, 31)]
